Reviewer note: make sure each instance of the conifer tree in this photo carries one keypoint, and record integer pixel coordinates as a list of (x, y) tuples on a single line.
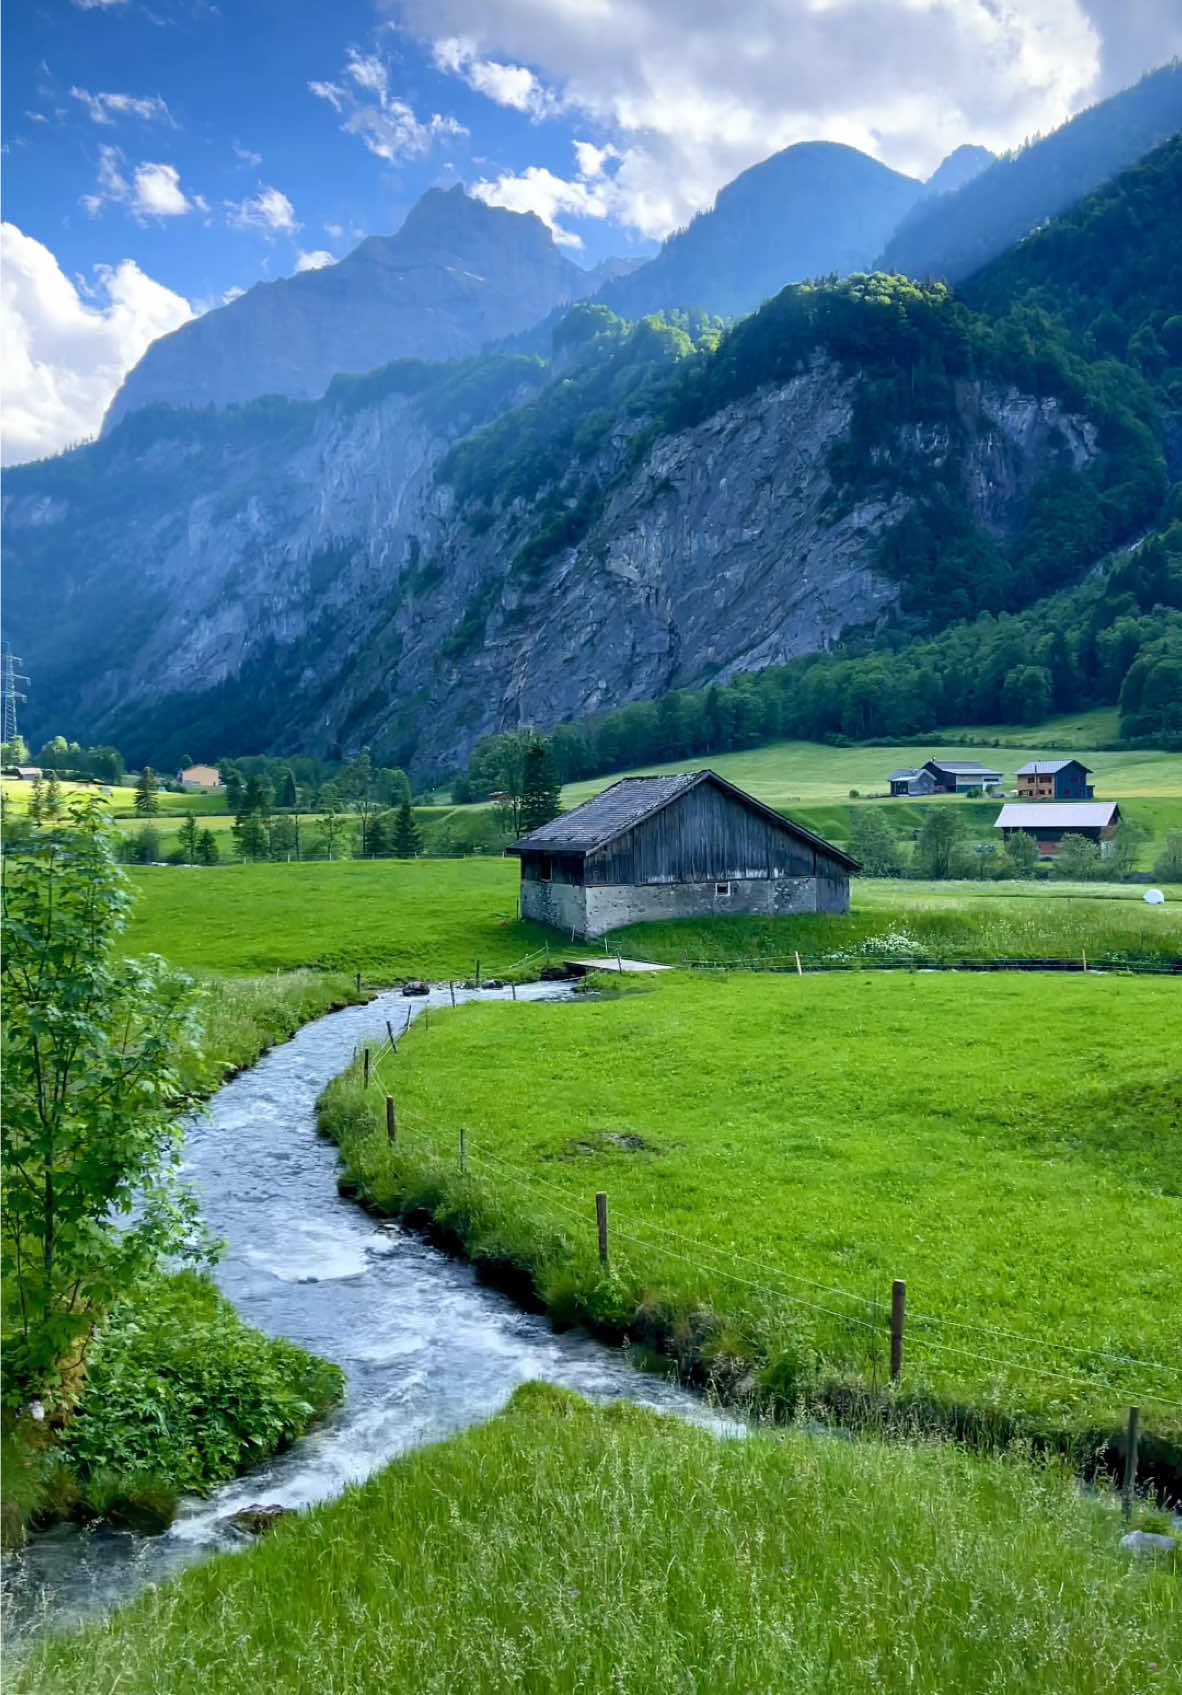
[(189, 838), (408, 838), (147, 799), (208, 851), (540, 788)]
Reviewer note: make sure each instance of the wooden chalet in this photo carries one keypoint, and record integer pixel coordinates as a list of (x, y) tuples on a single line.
[(685, 846), (1054, 779)]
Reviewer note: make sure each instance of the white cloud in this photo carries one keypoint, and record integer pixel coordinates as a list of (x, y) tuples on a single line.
[(247, 156), (507, 85), (158, 192), (314, 261), (63, 357), (154, 191), (589, 195), (97, 5), (334, 232), (690, 93), (106, 108), (388, 127), (269, 210)]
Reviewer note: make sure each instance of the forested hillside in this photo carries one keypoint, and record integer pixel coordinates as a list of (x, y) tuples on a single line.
[(955, 235)]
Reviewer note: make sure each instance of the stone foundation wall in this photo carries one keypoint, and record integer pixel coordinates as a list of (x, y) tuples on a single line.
[(561, 905), (598, 908)]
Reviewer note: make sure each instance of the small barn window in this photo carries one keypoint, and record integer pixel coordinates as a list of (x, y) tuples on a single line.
[(545, 869), (722, 888)]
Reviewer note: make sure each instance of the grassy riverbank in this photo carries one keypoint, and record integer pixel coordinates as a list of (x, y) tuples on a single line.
[(777, 1150), (562, 1547), (180, 1394)]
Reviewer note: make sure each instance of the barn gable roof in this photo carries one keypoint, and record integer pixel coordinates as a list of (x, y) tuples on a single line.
[(1064, 815), (631, 800), (1048, 767)]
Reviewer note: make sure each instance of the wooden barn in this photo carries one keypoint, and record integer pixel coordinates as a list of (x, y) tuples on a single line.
[(688, 846), (1048, 823)]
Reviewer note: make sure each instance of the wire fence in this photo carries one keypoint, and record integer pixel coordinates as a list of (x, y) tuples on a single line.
[(1132, 965), (1073, 1365)]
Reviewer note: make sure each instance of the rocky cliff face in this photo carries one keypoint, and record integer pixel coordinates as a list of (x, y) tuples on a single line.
[(457, 275), (313, 582)]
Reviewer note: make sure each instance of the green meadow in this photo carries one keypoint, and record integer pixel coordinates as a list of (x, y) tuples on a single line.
[(777, 1150), (392, 919), (785, 773), (563, 1547), (122, 799)]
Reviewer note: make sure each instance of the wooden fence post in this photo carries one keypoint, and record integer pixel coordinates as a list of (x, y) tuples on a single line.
[(477, 973), (365, 1084), (898, 1313), (601, 1225), (390, 1034), (1130, 1484), (359, 982), (1085, 959), (391, 1130), (463, 1149), (513, 990), (799, 968), (452, 987)]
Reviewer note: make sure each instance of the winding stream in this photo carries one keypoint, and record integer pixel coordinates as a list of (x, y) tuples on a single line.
[(425, 1348)]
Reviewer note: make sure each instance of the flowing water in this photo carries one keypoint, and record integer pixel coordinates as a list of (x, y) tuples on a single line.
[(426, 1349)]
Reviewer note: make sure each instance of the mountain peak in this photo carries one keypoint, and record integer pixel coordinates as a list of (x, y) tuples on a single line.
[(961, 166)]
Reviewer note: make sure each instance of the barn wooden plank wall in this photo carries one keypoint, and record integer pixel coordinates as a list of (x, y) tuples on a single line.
[(705, 835)]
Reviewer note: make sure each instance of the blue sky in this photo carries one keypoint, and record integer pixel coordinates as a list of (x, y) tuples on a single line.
[(161, 154)]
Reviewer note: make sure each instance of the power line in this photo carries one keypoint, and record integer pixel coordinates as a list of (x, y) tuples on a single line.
[(11, 694)]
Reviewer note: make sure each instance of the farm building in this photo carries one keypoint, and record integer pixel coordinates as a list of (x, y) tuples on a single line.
[(913, 780), (199, 777), (29, 773), (1054, 779), (943, 777), (1049, 822), (954, 776), (687, 846)]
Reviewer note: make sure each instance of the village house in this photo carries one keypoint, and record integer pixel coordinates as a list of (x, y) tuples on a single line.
[(198, 777), (943, 777), (29, 773), (913, 780), (687, 846), (1049, 823), (1054, 779)]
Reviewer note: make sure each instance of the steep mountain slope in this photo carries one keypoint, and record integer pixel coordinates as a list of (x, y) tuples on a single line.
[(378, 567), (813, 210), (953, 235), (1111, 269), (457, 275)]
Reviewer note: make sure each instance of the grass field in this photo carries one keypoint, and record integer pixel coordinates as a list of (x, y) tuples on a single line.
[(896, 919), (564, 1548), (396, 918), (784, 773), (777, 1150), (122, 799), (388, 918)]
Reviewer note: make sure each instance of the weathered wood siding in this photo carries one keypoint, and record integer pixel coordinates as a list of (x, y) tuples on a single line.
[(564, 867), (706, 836)]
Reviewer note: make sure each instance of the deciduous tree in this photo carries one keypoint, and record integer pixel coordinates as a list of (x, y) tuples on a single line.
[(90, 1149)]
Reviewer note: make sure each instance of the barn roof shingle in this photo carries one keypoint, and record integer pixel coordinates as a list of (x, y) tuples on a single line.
[(630, 801), (1048, 767)]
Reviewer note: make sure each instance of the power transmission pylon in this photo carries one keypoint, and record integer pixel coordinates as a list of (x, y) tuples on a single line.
[(11, 677)]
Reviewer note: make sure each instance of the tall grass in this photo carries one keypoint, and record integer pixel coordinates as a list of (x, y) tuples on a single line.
[(566, 1548)]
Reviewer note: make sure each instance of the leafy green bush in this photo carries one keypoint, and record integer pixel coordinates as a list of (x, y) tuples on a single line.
[(180, 1389)]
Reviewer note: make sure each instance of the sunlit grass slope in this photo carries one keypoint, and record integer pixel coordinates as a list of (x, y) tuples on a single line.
[(565, 1548), (777, 1149)]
